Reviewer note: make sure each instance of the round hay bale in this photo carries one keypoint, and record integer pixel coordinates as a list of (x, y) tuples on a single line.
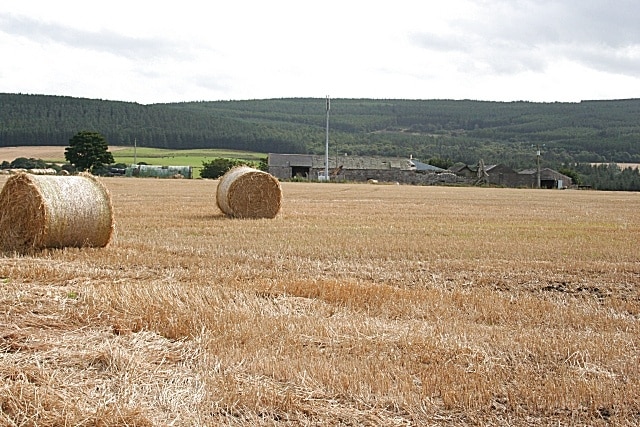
[(43, 211), (245, 192)]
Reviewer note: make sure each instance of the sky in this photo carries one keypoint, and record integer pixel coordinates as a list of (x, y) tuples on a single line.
[(174, 51)]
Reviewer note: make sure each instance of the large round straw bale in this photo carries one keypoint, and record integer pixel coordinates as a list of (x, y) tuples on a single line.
[(42, 211), (245, 192)]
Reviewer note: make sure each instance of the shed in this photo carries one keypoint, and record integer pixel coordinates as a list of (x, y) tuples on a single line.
[(497, 174), (549, 178), (286, 166), (356, 168)]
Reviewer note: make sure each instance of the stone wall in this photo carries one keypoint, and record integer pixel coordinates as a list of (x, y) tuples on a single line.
[(396, 175)]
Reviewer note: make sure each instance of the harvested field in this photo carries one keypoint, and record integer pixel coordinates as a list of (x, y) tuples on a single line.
[(48, 153), (356, 305), (620, 165)]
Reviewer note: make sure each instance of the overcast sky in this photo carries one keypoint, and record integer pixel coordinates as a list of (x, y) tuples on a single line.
[(158, 51)]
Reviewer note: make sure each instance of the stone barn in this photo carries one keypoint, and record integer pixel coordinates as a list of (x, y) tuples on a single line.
[(357, 169)]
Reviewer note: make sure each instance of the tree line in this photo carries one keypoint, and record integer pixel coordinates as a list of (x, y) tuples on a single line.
[(439, 131)]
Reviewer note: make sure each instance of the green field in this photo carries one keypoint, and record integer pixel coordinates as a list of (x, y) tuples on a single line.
[(165, 157), (151, 156), (193, 158)]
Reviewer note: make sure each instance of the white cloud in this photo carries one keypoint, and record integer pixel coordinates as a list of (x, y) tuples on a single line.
[(167, 52)]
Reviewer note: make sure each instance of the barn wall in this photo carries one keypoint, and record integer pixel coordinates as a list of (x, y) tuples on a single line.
[(393, 175), (517, 180), (280, 172)]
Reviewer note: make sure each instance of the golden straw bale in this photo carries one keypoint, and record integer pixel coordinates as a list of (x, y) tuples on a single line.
[(245, 192), (42, 211)]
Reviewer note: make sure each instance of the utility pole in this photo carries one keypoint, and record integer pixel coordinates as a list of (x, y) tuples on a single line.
[(538, 183), (326, 153), (538, 163)]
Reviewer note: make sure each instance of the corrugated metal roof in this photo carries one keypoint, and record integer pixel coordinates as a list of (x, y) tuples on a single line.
[(544, 172), (527, 172), (350, 162), (425, 167), (302, 160), (363, 162)]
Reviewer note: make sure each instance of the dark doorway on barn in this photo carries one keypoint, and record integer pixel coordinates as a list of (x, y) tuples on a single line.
[(300, 172)]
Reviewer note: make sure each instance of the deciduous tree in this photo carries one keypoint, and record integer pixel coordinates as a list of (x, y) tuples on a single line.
[(219, 166), (88, 151)]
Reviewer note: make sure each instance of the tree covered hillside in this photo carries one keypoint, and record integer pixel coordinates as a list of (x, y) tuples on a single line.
[(505, 132)]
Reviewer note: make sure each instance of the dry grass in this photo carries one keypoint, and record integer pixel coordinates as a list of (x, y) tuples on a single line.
[(621, 165), (357, 305), (39, 152)]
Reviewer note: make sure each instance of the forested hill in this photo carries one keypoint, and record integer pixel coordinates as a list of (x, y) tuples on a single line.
[(507, 132)]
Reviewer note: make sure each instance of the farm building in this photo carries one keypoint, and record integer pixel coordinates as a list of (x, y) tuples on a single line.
[(408, 171), (505, 176), (493, 174), (549, 178), (358, 169), (159, 171)]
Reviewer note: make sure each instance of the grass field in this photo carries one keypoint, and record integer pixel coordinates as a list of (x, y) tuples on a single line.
[(157, 156), (357, 305), (126, 155)]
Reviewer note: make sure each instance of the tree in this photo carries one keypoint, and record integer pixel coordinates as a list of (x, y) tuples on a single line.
[(88, 151), (219, 166), (440, 163), (263, 164), (27, 163), (573, 174)]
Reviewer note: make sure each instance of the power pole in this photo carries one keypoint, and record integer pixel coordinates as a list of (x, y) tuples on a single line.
[(326, 153), (538, 153), (538, 164)]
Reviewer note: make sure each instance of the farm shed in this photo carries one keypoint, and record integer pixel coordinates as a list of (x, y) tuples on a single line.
[(153, 171), (286, 166), (507, 177), (497, 174), (549, 178), (356, 168)]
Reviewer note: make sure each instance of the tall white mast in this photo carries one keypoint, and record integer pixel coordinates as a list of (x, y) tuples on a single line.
[(326, 153)]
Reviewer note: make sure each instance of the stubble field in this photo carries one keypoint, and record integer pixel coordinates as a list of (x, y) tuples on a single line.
[(357, 305)]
